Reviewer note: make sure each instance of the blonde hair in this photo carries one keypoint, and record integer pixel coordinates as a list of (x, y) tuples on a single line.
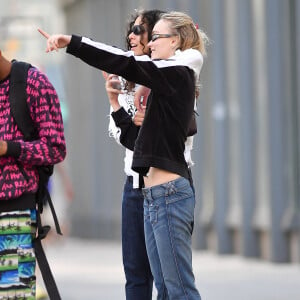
[(190, 36)]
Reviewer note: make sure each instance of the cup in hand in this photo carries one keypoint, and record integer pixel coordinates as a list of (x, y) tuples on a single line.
[(116, 83)]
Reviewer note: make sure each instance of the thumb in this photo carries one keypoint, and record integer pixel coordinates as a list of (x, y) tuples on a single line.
[(105, 75)]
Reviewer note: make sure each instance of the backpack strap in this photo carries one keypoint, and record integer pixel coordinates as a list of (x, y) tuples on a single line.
[(47, 275), (18, 99), (21, 115)]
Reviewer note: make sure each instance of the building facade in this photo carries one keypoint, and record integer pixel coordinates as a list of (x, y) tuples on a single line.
[(247, 150)]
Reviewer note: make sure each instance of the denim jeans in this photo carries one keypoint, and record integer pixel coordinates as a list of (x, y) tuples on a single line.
[(139, 280), (168, 222)]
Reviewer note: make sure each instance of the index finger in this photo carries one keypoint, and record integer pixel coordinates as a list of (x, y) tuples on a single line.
[(44, 33)]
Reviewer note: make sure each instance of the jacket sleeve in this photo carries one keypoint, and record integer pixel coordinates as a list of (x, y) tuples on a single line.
[(44, 106), (129, 131), (113, 130), (139, 69)]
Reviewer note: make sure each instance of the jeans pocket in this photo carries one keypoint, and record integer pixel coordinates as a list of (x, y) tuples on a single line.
[(153, 213), (179, 194)]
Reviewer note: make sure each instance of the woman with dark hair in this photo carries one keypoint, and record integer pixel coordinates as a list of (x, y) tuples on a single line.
[(139, 280)]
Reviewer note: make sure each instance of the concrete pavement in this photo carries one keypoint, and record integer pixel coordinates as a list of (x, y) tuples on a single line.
[(89, 269)]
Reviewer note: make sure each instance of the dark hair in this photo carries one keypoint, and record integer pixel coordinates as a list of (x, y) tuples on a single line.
[(149, 17)]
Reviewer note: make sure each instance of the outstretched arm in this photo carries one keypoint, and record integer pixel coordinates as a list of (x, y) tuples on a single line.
[(111, 59)]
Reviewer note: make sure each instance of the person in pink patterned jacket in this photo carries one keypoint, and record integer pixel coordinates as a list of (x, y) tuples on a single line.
[(19, 177), (45, 111)]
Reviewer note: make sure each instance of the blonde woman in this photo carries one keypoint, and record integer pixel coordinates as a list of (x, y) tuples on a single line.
[(172, 74)]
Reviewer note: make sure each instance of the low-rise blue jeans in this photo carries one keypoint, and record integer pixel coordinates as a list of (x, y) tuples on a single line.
[(168, 223)]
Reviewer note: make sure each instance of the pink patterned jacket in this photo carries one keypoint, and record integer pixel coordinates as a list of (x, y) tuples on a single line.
[(18, 173)]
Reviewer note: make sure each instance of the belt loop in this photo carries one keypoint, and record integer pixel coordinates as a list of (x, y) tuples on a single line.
[(147, 193)]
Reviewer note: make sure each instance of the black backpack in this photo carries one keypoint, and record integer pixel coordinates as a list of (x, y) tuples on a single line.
[(21, 115)]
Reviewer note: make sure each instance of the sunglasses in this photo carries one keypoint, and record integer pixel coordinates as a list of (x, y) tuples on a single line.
[(138, 29), (156, 36)]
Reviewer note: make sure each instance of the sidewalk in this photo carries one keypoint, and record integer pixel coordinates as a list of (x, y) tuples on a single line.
[(86, 269)]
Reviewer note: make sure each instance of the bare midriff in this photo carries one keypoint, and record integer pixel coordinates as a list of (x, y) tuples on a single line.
[(157, 176)]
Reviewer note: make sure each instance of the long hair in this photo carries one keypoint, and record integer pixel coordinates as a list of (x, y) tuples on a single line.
[(190, 36), (149, 18)]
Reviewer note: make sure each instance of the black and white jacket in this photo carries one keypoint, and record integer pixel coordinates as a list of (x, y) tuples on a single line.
[(160, 141), (126, 100)]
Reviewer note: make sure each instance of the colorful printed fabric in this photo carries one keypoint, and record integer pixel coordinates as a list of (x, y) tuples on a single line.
[(18, 174), (17, 258)]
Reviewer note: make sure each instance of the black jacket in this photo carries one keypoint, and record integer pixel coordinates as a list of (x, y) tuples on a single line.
[(160, 141)]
